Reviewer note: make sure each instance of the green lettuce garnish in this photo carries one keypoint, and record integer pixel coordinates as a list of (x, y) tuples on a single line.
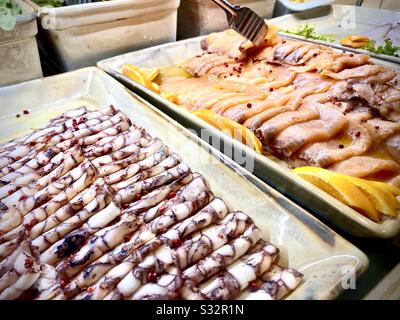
[(388, 48), (49, 3), (308, 31), (8, 11)]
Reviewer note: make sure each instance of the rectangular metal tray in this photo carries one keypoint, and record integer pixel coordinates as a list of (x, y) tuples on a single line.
[(340, 21), (325, 258), (274, 172)]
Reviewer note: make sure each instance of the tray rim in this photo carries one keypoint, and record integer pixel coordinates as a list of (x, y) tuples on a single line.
[(336, 45), (386, 229), (299, 214)]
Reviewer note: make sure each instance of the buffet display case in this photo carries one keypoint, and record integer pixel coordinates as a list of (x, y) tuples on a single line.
[(208, 168)]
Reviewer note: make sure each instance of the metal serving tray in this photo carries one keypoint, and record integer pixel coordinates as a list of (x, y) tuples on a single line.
[(341, 20), (274, 172), (327, 260)]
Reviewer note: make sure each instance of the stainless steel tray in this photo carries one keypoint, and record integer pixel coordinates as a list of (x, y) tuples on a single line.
[(326, 259), (342, 20), (274, 172)]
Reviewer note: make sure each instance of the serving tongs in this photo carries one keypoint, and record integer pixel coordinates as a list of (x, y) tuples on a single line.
[(245, 21)]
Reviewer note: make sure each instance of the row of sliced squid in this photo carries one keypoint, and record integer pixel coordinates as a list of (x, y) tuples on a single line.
[(93, 207)]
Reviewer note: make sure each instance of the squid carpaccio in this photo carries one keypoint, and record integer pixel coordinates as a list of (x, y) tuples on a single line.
[(308, 104), (93, 207)]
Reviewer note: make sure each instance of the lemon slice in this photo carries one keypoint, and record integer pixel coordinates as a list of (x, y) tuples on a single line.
[(386, 186), (210, 117), (338, 186), (232, 128), (150, 73), (383, 200), (134, 73), (170, 96), (243, 134)]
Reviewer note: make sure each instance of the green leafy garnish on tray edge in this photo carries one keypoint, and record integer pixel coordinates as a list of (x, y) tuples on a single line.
[(388, 48), (49, 3), (308, 31), (8, 11)]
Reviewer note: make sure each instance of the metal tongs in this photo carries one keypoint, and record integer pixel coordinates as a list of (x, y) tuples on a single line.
[(245, 21)]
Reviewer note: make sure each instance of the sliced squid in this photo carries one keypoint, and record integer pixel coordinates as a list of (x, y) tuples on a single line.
[(116, 143), (109, 132), (223, 257), (148, 167), (166, 287), (44, 211), (76, 239), (110, 168), (33, 161), (99, 191), (187, 193), (153, 198), (48, 284), (238, 276), (112, 260), (192, 250), (179, 212), (101, 242), (8, 263), (279, 282), (135, 190), (20, 278), (60, 229), (213, 212), (69, 161), (25, 205)]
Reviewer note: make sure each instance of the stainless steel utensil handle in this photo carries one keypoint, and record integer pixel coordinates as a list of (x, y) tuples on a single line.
[(226, 6)]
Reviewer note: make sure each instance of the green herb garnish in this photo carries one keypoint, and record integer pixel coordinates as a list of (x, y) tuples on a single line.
[(388, 48), (308, 31), (8, 11), (49, 3)]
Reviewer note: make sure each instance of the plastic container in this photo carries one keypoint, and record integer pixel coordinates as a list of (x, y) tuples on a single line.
[(80, 35), (19, 53), (199, 17)]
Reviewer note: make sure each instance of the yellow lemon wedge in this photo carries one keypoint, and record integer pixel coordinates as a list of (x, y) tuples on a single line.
[(170, 96), (340, 188), (134, 73), (150, 73), (243, 134), (386, 186), (383, 200), (143, 76), (232, 128), (210, 117)]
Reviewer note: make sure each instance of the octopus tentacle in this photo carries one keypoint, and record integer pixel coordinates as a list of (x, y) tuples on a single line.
[(67, 162), (143, 153), (21, 277), (238, 275), (146, 167), (101, 242), (76, 239), (59, 224), (116, 143), (137, 189), (44, 211), (222, 257), (98, 190)]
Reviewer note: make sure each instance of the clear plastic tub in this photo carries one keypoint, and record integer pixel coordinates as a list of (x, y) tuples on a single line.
[(199, 17), (19, 53), (80, 35)]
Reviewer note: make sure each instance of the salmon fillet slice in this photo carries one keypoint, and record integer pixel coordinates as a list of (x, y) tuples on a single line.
[(363, 166), (323, 154), (277, 124), (293, 138)]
